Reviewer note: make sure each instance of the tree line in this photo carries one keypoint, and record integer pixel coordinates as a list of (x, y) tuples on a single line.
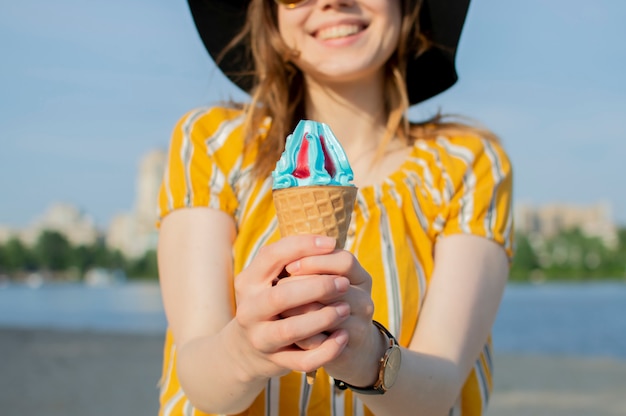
[(569, 255), (53, 254)]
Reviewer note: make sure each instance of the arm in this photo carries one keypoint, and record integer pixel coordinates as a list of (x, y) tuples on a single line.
[(195, 261), (225, 357), (456, 318)]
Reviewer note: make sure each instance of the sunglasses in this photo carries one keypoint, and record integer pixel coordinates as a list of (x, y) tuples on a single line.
[(290, 4)]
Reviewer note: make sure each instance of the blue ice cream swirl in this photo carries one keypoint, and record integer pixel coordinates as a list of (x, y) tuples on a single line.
[(312, 156)]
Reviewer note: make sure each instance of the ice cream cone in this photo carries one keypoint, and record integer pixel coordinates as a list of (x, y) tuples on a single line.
[(323, 210)]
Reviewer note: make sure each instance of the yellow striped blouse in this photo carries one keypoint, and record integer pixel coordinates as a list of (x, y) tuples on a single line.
[(446, 186)]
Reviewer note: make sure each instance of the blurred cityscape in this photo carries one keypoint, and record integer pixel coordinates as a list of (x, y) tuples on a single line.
[(542, 237), (133, 233), (549, 220)]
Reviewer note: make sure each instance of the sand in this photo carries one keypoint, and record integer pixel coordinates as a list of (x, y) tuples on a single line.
[(58, 373), (558, 386), (78, 373)]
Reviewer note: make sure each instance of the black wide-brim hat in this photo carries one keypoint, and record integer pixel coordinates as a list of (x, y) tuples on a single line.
[(432, 72)]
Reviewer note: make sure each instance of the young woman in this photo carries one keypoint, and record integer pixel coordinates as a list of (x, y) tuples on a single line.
[(397, 323)]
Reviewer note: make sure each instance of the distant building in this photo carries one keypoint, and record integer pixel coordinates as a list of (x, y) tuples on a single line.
[(6, 234), (134, 233), (548, 220), (64, 218)]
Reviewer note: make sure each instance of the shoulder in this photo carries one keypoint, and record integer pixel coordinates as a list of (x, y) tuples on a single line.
[(462, 151), (205, 122), (216, 131)]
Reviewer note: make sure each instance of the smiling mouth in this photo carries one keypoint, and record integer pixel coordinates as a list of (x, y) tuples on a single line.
[(341, 31)]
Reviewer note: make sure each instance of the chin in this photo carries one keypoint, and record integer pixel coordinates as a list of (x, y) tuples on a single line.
[(347, 71)]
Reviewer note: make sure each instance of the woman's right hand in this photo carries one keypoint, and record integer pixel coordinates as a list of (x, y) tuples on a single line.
[(270, 339)]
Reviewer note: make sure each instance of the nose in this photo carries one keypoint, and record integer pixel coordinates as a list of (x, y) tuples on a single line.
[(334, 4)]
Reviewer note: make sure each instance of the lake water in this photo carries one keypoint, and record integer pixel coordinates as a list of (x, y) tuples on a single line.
[(131, 307), (564, 319)]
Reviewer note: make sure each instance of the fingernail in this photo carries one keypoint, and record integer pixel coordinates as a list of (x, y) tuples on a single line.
[(342, 337), (342, 284), (343, 309), (325, 242), (293, 267)]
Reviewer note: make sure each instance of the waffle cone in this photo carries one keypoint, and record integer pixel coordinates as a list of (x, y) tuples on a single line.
[(323, 210)]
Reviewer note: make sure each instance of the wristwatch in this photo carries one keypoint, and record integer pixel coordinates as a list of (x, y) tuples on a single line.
[(388, 368)]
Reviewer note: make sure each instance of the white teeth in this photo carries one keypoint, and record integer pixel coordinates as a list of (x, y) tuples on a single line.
[(337, 32)]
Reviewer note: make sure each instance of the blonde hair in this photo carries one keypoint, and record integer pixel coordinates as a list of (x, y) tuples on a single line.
[(278, 91)]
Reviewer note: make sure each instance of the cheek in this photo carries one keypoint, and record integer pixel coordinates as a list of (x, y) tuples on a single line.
[(395, 16), (281, 22), (286, 28), (394, 37), (394, 24)]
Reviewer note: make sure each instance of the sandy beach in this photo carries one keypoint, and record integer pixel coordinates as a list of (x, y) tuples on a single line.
[(58, 373)]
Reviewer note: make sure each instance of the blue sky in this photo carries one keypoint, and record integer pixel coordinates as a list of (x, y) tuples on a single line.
[(86, 88)]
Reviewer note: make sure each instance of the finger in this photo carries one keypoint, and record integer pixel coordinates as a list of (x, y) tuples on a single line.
[(271, 303), (307, 290), (301, 310), (280, 333), (271, 259), (342, 283), (338, 262), (360, 301), (310, 360), (359, 298), (312, 342)]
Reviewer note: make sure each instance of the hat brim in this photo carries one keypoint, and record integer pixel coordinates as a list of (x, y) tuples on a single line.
[(429, 74)]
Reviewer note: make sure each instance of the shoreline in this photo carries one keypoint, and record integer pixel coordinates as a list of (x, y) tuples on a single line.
[(59, 372)]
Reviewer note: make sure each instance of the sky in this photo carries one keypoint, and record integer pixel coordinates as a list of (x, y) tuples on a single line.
[(87, 88)]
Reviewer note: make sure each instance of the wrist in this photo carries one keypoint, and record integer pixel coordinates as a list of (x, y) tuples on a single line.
[(388, 366), (360, 366), (378, 345)]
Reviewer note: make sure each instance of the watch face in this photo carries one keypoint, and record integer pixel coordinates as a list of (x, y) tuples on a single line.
[(392, 366)]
